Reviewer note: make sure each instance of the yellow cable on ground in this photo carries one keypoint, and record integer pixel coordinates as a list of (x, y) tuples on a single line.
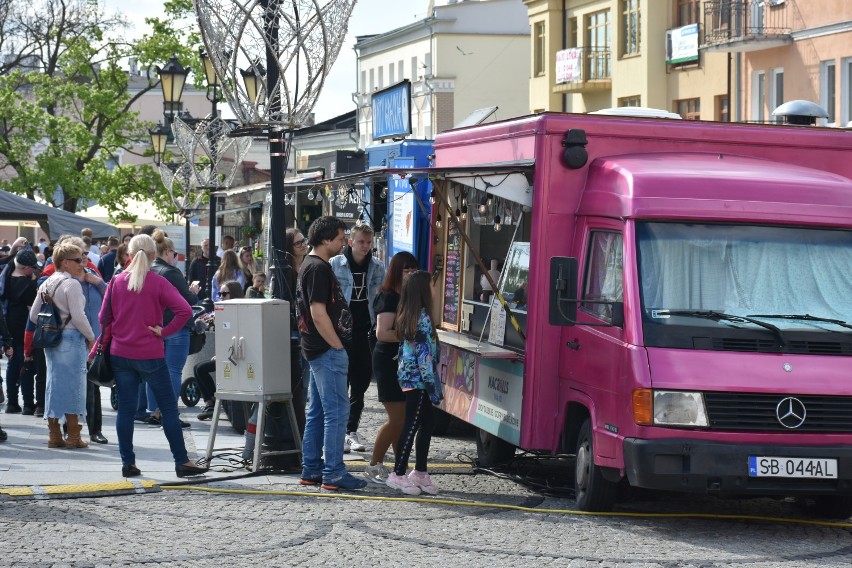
[(433, 500)]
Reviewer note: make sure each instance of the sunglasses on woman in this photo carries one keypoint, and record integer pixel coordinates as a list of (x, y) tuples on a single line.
[(223, 293), (77, 260), (302, 243)]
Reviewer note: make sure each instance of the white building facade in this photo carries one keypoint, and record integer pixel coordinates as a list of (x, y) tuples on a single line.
[(467, 55)]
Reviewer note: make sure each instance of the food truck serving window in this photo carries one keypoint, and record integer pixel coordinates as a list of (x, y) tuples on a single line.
[(516, 279)]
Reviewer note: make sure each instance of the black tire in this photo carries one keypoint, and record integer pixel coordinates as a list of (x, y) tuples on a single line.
[(190, 391), (491, 450), (442, 423), (832, 506), (592, 491), (236, 415), (113, 398)]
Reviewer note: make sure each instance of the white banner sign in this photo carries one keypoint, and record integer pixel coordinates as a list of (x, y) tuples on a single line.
[(569, 65)]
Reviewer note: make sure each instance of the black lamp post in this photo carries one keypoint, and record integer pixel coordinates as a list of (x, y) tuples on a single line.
[(159, 140)]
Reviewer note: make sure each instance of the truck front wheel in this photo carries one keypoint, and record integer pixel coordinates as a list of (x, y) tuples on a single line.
[(491, 450), (592, 491), (833, 506)]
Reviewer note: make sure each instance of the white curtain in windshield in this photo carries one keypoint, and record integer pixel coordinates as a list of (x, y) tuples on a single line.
[(746, 270)]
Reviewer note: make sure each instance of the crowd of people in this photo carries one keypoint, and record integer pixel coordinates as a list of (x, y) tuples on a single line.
[(353, 319)]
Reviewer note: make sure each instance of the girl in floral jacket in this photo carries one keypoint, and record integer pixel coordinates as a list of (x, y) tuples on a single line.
[(418, 378)]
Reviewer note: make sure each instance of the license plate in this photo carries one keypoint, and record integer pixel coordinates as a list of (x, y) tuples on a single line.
[(817, 468)]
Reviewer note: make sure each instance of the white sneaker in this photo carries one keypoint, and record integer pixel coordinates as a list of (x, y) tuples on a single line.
[(402, 483), (422, 480), (377, 474), (354, 442)]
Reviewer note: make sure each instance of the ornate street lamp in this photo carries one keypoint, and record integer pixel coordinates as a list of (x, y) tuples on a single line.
[(188, 180), (172, 80), (159, 140), (299, 41)]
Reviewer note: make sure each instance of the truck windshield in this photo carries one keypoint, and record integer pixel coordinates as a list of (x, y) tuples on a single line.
[(791, 278)]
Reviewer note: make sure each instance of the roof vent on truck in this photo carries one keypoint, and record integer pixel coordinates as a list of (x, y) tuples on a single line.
[(637, 112), (800, 112)]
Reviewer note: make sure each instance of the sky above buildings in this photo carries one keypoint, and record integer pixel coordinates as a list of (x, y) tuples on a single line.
[(368, 17)]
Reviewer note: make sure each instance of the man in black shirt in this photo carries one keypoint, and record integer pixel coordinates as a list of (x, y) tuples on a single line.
[(325, 324), (198, 270), (360, 276)]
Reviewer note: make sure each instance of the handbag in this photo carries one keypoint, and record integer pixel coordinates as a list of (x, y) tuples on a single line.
[(100, 369), (197, 337), (49, 326)]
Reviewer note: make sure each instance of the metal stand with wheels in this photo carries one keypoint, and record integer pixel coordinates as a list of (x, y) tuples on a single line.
[(262, 401)]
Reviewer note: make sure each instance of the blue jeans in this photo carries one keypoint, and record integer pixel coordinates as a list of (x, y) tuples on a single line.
[(177, 350), (129, 374), (328, 411)]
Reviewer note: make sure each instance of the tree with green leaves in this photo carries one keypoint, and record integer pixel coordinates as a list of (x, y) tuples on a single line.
[(65, 105)]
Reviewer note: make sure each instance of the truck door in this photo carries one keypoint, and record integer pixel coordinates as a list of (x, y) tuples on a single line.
[(593, 355)]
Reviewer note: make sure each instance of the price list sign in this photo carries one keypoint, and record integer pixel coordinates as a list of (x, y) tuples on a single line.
[(452, 282)]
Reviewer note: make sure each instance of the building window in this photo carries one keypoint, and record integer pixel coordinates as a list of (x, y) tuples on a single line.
[(416, 72), (598, 42), (827, 87), (540, 49), (687, 12), (630, 27), (381, 77), (573, 38), (364, 81), (776, 91), (758, 97), (633, 101), (846, 91), (688, 109), (372, 80), (401, 70), (391, 69), (723, 108)]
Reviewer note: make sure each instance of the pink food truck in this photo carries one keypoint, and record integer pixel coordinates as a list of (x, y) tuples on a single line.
[(669, 301)]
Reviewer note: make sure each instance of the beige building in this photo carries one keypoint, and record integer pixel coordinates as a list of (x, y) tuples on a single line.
[(467, 55), (703, 59), (589, 55), (784, 50)]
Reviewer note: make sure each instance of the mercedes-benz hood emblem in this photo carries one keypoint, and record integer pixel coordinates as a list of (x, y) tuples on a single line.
[(791, 412)]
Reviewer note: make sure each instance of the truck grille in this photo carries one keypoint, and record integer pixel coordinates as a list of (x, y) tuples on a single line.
[(753, 412), (771, 346)]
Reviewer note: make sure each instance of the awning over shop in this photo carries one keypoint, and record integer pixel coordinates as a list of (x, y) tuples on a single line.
[(53, 221)]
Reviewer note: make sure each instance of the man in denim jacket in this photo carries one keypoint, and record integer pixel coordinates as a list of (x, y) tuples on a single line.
[(360, 276)]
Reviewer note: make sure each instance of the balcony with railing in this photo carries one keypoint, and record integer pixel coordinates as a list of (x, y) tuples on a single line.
[(745, 25), (580, 69)]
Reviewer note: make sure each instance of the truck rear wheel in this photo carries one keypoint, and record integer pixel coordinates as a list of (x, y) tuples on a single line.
[(491, 450), (592, 491)]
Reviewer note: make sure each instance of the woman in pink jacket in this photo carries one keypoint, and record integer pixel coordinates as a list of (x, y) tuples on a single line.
[(132, 320)]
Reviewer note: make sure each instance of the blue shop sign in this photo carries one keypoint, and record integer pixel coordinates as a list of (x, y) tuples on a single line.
[(392, 111)]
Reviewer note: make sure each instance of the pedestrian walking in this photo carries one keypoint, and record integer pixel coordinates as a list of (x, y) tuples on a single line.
[(418, 379)]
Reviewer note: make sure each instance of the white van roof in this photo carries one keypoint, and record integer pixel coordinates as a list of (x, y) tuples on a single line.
[(643, 112)]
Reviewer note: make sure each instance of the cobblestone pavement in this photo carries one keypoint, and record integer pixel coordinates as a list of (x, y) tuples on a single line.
[(284, 524)]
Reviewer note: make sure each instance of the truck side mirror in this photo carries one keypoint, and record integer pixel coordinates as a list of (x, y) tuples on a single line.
[(563, 291)]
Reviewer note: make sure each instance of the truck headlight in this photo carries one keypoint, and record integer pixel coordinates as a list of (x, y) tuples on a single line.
[(669, 408), (678, 408)]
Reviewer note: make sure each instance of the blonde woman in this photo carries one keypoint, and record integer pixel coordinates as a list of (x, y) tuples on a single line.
[(229, 269), (65, 393), (132, 319), (248, 266)]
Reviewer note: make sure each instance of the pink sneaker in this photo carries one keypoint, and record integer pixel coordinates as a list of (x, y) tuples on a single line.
[(402, 483), (422, 480)]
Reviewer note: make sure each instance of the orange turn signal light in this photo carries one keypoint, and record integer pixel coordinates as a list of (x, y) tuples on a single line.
[(643, 407)]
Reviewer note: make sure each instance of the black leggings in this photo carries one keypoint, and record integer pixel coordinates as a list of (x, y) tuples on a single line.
[(419, 420)]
